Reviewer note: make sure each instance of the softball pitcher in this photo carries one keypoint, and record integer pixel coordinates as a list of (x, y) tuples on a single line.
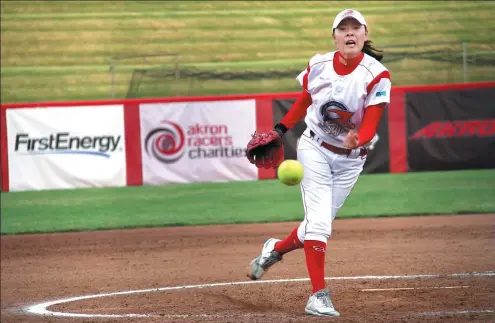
[(343, 98)]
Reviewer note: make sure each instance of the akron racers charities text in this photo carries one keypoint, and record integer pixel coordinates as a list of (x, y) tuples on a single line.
[(186, 142), (210, 141)]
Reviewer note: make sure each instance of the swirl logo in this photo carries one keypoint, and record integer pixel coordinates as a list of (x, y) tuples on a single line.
[(165, 143)]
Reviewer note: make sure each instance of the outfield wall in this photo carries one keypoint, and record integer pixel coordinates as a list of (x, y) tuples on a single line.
[(63, 145)]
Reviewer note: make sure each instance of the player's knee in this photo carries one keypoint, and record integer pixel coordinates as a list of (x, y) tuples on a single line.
[(312, 230), (301, 233)]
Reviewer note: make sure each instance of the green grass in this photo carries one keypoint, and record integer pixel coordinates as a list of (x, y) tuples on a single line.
[(53, 50), (241, 202)]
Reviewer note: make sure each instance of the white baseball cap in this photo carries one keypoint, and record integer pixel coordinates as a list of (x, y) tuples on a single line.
[(348, 13)]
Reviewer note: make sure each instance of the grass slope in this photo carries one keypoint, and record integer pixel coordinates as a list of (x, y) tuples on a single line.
[(54, 50), (240, 202)]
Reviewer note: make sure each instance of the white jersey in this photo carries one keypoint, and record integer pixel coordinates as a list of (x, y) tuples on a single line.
[(339, 101)]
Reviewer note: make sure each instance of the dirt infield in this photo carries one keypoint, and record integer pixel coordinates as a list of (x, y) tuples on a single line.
[(360, 254)]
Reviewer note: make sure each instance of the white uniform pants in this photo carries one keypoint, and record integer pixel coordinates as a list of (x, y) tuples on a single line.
[(328, 180)]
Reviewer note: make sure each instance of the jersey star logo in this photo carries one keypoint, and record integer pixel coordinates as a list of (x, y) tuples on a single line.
[(336, 118)]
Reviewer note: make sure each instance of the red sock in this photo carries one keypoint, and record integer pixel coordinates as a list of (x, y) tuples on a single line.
[(291, 242), (315, 261)]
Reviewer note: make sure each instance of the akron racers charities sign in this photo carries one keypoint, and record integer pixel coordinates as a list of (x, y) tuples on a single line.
[(66, 147), (197, 141)]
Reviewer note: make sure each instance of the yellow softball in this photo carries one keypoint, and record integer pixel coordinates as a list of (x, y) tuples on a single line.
[(290, 172)]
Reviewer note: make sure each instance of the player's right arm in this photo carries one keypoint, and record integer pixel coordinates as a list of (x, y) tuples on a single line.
[(296, 112), (266, 150), (300, 106)]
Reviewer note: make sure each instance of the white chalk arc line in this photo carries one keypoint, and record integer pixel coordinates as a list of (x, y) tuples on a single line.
[(41, 309), (458, 313), (410, 288)]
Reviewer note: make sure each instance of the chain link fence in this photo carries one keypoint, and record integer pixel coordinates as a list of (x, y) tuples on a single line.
[(421, 63)]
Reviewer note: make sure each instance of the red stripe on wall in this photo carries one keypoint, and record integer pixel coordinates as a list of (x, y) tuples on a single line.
[(132, 123), (4, 161), (208, 98), (264, 122), (268, 96), (446, 87), (397, 132)]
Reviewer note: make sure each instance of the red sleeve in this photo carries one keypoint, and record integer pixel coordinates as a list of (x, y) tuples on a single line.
[(371, 119), (298, 110)]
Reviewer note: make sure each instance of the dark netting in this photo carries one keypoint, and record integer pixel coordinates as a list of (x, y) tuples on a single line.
[(189, 80)]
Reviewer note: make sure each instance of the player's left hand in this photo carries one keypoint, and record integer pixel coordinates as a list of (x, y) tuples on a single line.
[(351, 140)]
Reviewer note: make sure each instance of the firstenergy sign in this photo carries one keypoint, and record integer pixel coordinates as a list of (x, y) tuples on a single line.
[(66, 143), (66, 147)]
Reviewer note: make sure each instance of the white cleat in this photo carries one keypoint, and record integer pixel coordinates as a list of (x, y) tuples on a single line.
[(319, 304), (265, 260)]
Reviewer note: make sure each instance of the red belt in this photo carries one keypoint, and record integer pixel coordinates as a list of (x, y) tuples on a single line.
[(338, 150)]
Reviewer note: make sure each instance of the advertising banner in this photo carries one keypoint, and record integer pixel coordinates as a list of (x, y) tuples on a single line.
[(187, 142), (450, 130), (378, 160), (66, 147)]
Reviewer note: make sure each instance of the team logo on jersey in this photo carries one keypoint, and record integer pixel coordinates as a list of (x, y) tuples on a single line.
[(336, 118)]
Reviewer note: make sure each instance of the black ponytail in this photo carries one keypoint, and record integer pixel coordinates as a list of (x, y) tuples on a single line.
[(372, 51)]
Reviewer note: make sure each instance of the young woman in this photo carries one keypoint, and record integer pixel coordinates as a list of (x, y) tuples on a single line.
[(343, 98)]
